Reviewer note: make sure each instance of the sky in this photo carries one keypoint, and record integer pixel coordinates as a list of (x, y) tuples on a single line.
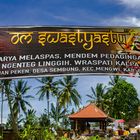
[(70, 13)]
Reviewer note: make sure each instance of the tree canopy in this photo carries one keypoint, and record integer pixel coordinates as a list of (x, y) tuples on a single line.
[(124, 100)]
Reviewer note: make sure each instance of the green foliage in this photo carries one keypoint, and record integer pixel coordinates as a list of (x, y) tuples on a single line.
[(68, 93), (48, 87), (114, 80), (27, 133), (124, 100), (95, 138), (20, 96), (44, 121), (31, 118), (119, 101), (1, 137), (19, 120), (36, 132), (47, 135), (97, 96), (63, 138), (57, 113)]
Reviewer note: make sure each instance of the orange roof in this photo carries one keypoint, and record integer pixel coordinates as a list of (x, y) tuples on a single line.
[(90, 111)]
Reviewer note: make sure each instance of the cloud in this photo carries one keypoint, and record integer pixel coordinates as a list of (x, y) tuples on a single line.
[(130, 3), (123, 21)]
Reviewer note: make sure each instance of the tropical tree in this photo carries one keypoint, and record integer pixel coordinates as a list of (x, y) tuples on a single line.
[(124, 100), (68, 93), (57, 113), (44, 121), (31, 118), (48, 87), (8, 124), (8, 94), (20, 97), (114, 80), (98, 95), (108, 101), (2, 98)]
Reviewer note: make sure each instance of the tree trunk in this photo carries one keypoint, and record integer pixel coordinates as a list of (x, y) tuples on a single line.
[(48, 104), (2, 107), (14, 119), (57, 105)]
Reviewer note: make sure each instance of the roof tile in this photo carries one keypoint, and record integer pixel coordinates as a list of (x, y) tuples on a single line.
[(89, 111)]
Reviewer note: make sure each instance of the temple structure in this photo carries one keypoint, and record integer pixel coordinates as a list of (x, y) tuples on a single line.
[(91, 113)]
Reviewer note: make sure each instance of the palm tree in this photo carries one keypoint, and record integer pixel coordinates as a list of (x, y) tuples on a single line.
[(115, 80), (19, 95), (8, 93), (8, 124), (68, 93), (31, 118), (57, 113), (97, 95), (48, 87), (44, 121), (2, 100)]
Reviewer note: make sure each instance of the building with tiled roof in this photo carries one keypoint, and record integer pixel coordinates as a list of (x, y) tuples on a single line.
[(89, 113)]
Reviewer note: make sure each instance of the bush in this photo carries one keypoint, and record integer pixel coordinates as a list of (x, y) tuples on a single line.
[(95, 138), (36, 133)]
